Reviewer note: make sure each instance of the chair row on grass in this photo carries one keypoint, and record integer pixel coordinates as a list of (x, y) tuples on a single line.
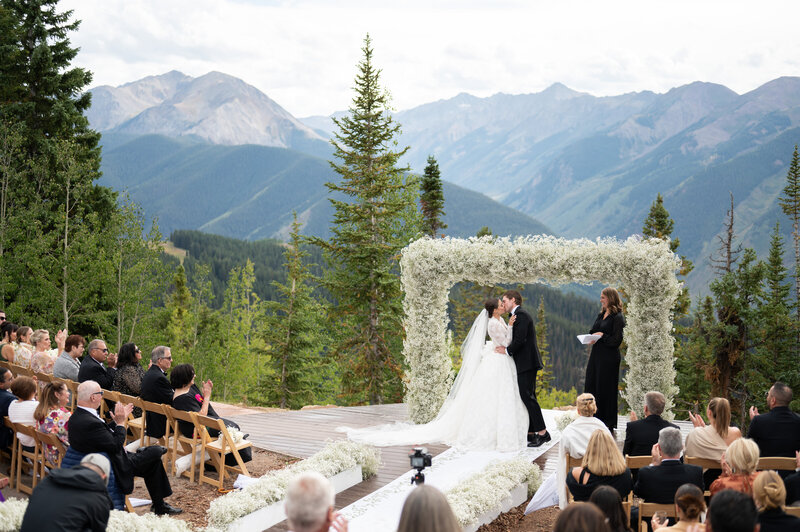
[(648, 509), (212, 449)]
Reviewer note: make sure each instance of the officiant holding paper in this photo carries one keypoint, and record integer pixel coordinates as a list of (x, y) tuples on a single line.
[(602, 371)]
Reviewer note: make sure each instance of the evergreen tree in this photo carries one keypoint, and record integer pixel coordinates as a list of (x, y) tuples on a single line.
[(294, 336), (790, 203), (695, 359), (370, 227), (544, 378), (431, 199), (179, 306)]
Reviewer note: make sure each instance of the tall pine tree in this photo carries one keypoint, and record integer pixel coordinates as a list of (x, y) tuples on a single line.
[(370, 227), (790, 204), (294, 336), (544, 379), (431, 199)]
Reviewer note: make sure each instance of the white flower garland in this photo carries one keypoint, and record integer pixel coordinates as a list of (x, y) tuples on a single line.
[(430, 267), (336, 457), (484, 491), (13, 510), (564, 419)]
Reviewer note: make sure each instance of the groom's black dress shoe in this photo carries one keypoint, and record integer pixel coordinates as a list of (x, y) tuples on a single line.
[(165, 509), (538, 439)]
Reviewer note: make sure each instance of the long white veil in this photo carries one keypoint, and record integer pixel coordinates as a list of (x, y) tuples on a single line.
[(445, 425)]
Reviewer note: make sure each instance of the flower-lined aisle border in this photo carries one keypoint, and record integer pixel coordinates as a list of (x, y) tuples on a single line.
[(430, 268), (484, 491), (334, 458)]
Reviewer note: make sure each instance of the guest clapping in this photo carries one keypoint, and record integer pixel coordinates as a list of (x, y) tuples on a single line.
[(711, 441), (43, 356), (602, 371)]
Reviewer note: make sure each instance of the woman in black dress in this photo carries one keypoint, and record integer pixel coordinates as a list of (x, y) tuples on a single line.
[(602, 371)]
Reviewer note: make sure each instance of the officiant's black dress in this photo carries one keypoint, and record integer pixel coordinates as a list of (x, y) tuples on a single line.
[(602, 371)]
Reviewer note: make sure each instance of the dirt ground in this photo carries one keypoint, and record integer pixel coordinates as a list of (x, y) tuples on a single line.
[(514, 520), (194, 499)]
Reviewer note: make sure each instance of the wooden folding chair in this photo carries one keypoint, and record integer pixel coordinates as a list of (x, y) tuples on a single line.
[(705, 463), (572, 462), (218, 448), (110, 399), (32, 456), (776, 463), (793, 510), (13, 467), (20, 371), (135, 424), (160, 409), (45, 438), (5, 364), (181, 445), (648, 509)]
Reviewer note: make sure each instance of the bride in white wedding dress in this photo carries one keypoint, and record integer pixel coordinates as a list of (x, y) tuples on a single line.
[(483, 410)]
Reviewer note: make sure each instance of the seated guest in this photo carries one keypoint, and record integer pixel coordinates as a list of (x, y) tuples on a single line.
[(739, 464), (52, 415), (6, 397), (777, 432), (770, 496), (88, 433), (23, 351), (689, 507), (603, 464), (642, 434), (67, 365), (309, 505), (659, 481), (188, 397), (128, 379), (43, 356), (610, 503), (92, 368), (583, 517), (711, 441), (21, 410), (78, 496), (9, 342), (792, 483), (732, 511), (426, 510), (156, 389), (574, 440)]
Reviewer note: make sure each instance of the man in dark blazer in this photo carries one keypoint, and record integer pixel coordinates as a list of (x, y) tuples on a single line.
[(92, 368), (157, 389), (525, 352), (88, 433), (659, 481), (642, 434), (777, 432)]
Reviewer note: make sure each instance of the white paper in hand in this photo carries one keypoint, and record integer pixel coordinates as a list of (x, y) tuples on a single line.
[(588, 338)]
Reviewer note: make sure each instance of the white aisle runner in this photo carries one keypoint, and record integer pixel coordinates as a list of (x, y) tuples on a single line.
[(380, 510)]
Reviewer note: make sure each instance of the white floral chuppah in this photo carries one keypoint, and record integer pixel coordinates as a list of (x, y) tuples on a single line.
[(644, 267)]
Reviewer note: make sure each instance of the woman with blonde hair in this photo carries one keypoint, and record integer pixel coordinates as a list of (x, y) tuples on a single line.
[(689, 506), (710, 441), (770, 496), (739, 462), (575, 439), (603, 465), (602, 370), (426, 510)]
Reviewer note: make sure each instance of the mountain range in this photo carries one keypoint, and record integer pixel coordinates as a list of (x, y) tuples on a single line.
[(583, 165)]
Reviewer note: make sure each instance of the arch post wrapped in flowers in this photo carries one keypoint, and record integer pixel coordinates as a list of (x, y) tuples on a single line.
[(644, 267)]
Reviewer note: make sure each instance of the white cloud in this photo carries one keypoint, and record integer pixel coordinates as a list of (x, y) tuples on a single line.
[(303, 54)]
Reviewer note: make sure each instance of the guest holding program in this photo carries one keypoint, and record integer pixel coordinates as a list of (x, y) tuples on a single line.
[(602, 371)]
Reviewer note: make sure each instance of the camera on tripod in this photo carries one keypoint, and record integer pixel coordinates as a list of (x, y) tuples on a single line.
[(420, 459)]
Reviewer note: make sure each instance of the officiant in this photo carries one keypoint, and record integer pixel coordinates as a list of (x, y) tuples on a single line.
[(602, 371)]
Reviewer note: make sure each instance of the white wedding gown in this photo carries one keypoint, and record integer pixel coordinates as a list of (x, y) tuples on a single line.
[(483, 411)]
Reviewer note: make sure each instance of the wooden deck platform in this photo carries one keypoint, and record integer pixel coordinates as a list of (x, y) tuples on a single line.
[(301, 433)]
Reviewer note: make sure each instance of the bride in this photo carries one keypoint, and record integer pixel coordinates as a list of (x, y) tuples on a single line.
[(483, 410)]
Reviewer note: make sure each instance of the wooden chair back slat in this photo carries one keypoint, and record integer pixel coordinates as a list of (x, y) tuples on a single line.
[(648, 509), (227, 445), (34, 457), (705, 463), (777, 463), (638, 462), (45, 438), (793, 510)]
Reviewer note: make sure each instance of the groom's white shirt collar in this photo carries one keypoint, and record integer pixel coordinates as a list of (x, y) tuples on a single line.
[(514, 310)]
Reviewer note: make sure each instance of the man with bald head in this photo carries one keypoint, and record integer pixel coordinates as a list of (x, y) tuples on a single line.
[(89, 434)]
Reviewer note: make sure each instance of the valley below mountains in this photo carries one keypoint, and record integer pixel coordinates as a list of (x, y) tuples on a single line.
[(216, 154)]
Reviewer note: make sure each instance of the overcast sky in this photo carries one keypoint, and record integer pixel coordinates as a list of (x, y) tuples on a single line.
[(303, 53)]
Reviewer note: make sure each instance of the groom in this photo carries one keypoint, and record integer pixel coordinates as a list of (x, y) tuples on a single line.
[(525, 352)]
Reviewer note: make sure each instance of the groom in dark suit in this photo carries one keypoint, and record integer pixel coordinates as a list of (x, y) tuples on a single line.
[(525, 352)]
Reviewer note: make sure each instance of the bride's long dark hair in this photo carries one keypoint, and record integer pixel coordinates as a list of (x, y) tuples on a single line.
[(490, 305)]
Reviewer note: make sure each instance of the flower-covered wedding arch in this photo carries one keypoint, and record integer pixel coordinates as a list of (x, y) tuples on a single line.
[(645, 268)]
